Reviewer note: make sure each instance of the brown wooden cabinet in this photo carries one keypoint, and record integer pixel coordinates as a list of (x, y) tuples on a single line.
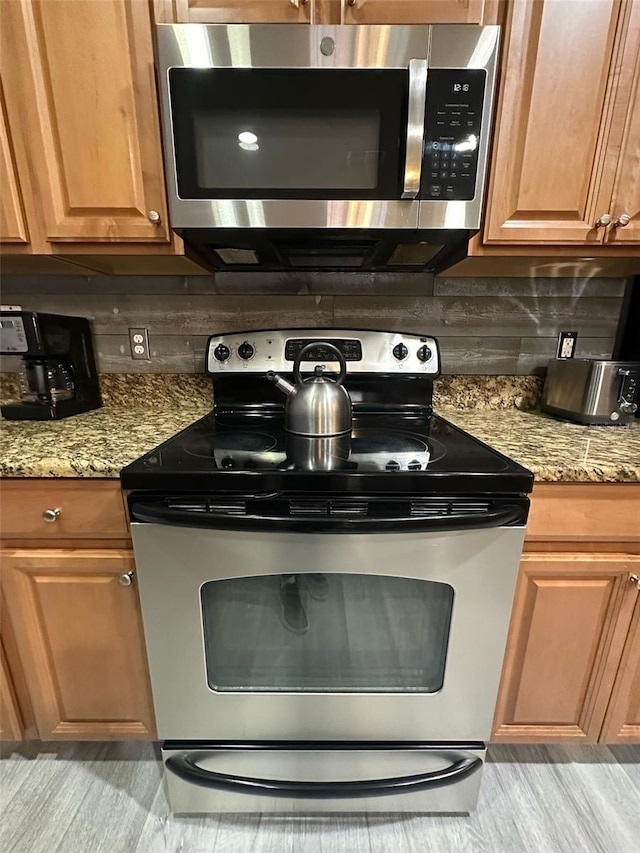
[(81, 105), (418, 11), (565, 154), (233, 11), (625, 199), (13, 224), (622, 722), (71, 611), (80, 639), (327, 11), (572, 664), (10, 720), (570, 620)]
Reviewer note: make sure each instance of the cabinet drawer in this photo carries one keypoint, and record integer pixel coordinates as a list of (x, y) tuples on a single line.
[(87, 509), (598, 512)]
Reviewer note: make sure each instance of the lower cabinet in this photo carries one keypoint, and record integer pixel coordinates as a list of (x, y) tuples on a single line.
[(622, 723), (76, 620), (573, 655), (10, 721)]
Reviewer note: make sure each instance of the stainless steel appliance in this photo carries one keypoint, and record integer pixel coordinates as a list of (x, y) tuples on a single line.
[(317, 415), (58, 376), (325, 640), (327, 147), (592, 391)]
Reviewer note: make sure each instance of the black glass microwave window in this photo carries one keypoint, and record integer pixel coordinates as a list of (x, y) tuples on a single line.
[(275, 133), (326, 633)]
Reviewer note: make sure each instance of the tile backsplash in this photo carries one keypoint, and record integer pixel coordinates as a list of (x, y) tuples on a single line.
[(490, 326)]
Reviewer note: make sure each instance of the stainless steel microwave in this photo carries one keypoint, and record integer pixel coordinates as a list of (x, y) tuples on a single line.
[(301, 146)]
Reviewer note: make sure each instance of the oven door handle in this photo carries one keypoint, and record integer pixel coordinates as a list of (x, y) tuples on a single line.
[(185, 767), (415, 127)]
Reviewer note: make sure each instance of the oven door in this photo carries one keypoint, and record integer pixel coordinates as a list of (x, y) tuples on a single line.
[(380, 636)]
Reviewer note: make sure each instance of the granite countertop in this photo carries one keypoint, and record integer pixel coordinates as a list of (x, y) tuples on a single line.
[(142, 411), (556, 451)]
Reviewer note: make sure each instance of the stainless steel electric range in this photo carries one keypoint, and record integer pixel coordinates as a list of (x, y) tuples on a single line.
[(332, 640)]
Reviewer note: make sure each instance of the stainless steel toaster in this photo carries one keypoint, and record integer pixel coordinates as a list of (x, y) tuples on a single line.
[(592, 391)]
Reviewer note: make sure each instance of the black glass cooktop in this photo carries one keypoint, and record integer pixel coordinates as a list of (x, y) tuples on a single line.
[(387, 453)]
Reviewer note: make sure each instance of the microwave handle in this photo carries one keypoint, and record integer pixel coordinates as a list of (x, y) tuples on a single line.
[(415, 127)]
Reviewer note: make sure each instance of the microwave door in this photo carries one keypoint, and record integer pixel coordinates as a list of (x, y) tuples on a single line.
[(327, 134)]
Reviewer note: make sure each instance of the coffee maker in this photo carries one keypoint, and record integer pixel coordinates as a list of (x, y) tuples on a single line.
[(58, 376)]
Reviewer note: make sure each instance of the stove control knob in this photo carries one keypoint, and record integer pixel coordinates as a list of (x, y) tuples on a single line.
[(221, 352), (246, 351), (227, 462), (424, 353), (400, 351), (392, 465)]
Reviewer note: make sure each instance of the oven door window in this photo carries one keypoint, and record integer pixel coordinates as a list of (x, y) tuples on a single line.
[(296, 133), (333, 633)]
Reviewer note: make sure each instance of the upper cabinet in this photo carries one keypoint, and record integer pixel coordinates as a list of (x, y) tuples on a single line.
[(417, 11), (566, 155), (326, 11), (81, 106), (624, 202), (13, 225), (233, 11)]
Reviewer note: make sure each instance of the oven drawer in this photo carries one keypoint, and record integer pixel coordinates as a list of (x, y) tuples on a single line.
[(307, 778)]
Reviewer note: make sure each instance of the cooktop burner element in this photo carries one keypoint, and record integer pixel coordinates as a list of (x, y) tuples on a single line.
[(370, 441), (397, 443), (250, 442)]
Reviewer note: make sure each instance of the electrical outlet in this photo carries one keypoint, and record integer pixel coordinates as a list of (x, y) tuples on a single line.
[(567, 344), (139, 342)]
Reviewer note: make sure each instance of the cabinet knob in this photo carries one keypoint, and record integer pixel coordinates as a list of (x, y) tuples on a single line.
[(126, 579), (298, 3), (154, 217), (635, 579), (51, 515), (623, 220), (604, 220)]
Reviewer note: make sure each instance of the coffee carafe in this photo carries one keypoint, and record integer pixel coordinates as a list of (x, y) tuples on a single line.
[(58, 375)]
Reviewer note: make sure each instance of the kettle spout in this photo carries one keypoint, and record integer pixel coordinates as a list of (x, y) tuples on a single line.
[(279, 382)]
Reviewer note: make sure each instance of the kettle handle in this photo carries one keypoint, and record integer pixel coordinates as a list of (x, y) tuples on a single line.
[(307, 348)]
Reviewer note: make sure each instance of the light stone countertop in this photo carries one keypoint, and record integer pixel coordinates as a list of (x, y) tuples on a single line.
[(554, 450), (141, 412)]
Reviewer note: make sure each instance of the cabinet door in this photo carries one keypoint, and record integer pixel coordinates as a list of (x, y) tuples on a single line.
[(233, 11), (10, 722), (415, 11), (622, 723), (81, 101), (79, 636), (554, 109), (626, 190), (570, 618), (13, 226)]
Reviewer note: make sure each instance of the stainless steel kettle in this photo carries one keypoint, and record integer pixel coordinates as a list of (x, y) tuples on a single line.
[(317, 406)]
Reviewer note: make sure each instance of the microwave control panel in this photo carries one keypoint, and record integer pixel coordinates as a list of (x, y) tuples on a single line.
[(453, 121)]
